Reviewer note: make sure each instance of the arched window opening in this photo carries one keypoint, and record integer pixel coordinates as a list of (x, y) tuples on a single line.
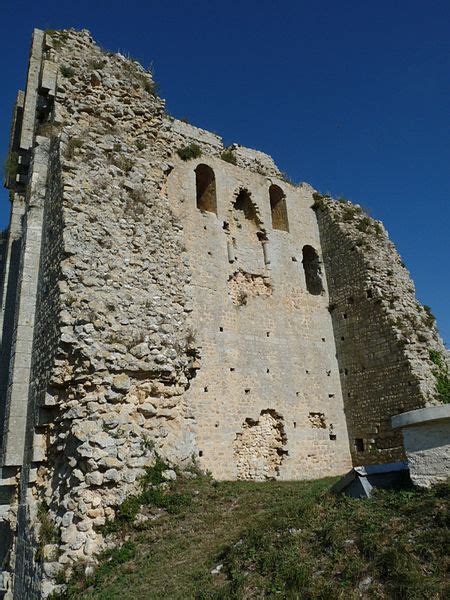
[(244, 204), (311, 266), (206, 189), (278, 208)]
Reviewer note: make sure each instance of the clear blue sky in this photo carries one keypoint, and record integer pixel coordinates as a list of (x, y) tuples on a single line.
[(352, 97)]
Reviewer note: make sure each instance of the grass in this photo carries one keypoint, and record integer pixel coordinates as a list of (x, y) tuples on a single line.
[(67, 71), (189, 152), (229, 156), (441, 375), (73, 145), (277, 540), (11, 166)]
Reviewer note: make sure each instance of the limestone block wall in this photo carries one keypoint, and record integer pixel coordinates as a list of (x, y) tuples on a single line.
[(266, 343), (383, 334)]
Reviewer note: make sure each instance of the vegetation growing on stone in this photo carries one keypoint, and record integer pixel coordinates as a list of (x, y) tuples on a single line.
[(67, 71), (152, 494), (72, 145), (11, 165), (442, 376), (189, 152), (281, 540), (228, 156), (48, 533)]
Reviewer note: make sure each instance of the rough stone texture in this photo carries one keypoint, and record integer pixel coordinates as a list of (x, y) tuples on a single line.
[(137, 320), (427, 447), (259, 448), (383, 334)]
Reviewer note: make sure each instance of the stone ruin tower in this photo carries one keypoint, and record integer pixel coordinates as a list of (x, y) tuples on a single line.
[(162, 293)]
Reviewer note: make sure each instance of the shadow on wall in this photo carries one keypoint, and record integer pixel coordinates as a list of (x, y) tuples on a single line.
[(313, 271)]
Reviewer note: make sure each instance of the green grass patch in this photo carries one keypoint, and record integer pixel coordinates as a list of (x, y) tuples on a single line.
[(278, 540), (67, 71), (189, 152), (228, 156), (441, 375)]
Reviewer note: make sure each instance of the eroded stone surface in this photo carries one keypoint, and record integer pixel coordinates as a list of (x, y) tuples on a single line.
[(175, 320)]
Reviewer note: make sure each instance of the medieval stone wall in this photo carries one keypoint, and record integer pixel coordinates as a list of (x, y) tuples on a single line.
[(179, 298), (383, 334), (266, 343)]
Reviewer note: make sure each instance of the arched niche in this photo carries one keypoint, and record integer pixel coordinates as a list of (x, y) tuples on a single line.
[(313, 271), (205, 182), (278, 208)]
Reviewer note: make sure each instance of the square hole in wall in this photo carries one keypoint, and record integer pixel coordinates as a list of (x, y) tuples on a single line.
[(295, 424), (205, 389), (267, 333), (247, 390), (333, 437), (220, 328), (344, 315), (200, 452), (359, 445), (232, 369), (330, 395), (267, 370), (294, 259)]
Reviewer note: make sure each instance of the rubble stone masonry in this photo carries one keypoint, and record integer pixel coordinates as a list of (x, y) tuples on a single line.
[(162, 294)]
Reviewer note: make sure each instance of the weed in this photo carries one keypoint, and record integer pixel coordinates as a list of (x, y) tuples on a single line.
[(67, 71), (189, 152), (140, 144), (47, 129), (73, 144), (191, 337), (285, 177), (147, 443), (319, 201), (441, 375), (242, 298), (69, 299), (151, 494), (364, 224), (122, 162), (11, 166), (96, 65), (430, 319), (228, 156), (58, 37), (48, 533)]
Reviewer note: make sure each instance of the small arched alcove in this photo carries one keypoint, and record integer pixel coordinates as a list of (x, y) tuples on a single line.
[(206, 189), (245, 208), (278, 208), (311, 267)]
